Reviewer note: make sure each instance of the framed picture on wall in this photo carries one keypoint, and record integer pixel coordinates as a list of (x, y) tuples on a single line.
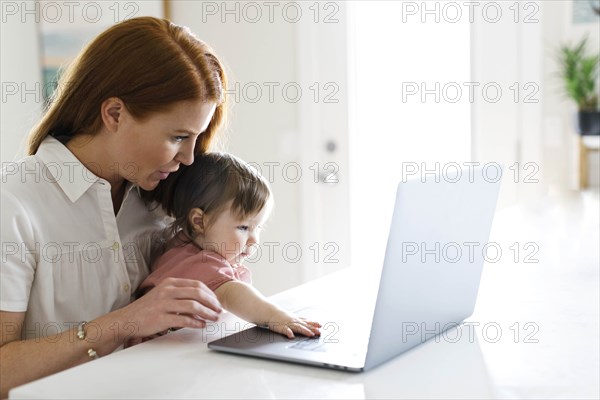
[(66, 27), (586, 11)]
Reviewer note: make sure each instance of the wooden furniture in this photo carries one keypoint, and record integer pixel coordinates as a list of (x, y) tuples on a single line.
[(587, 144)]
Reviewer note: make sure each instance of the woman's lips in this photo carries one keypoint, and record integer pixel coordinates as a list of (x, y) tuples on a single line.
[(163, 175)]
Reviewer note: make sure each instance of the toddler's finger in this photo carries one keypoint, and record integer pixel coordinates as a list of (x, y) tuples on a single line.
[(313, 326), (303, 330), (309, 322), (288, 332), (282, 329)]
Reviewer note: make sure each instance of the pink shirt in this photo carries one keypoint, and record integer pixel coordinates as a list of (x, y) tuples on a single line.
[(190, 262)]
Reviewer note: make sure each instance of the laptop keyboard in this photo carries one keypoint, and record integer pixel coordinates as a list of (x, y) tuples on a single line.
[(310, 344)]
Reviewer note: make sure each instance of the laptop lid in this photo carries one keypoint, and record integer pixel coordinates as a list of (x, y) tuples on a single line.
[(434, 258)]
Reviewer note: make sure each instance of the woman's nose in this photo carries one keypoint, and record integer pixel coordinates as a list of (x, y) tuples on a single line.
[(186, 153)]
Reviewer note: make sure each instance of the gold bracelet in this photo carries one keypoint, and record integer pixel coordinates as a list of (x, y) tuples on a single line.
[(92, 353), (81, 336)]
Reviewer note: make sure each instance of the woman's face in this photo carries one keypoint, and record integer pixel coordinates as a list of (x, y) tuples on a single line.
[(148, 151)]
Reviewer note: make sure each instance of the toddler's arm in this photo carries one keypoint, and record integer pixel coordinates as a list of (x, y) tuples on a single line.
[(246, 302)]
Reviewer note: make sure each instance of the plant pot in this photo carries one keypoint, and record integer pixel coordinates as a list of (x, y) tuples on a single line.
[(588, 123)]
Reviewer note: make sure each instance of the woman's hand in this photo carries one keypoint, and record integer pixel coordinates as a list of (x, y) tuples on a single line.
[(286, 324), (174, 302)]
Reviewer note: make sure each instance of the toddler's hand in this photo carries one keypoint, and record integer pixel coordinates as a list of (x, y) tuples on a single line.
[(286, 324)]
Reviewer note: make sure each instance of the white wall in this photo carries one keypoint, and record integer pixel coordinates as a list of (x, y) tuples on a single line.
[(506, 53), (261, 131), (561, 147), (403, 127), (302, 44), (22, 53), (20, 71), (536, 135)]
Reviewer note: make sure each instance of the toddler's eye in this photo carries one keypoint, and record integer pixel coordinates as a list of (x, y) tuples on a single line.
[(243, 227)]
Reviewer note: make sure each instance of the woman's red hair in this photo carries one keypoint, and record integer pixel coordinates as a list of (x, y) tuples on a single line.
[(147, 62)]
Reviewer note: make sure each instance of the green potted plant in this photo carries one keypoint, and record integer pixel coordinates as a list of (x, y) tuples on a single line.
[(579, 73)]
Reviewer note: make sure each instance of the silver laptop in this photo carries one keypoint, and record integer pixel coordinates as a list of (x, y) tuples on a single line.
[(428, 284)]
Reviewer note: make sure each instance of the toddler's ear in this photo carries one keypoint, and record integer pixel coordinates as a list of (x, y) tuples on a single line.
[(196, 220)]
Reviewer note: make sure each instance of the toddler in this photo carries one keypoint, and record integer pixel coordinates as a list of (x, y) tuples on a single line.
[(220, 205)]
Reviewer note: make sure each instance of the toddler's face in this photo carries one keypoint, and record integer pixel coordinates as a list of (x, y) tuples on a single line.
[(231, 236)]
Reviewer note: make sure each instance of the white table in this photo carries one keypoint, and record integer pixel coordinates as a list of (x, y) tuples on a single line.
[(179, 365)]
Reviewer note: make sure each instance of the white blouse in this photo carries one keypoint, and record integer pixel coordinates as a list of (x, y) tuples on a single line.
[(66, 258)]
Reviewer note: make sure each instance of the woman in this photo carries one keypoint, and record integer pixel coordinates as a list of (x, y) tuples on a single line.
[(138, 102)]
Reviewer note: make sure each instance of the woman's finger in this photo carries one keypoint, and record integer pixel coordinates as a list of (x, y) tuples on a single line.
[(205, 297), (184, 286), (168, 296), (182, 282), (192, 307), (187, 321)]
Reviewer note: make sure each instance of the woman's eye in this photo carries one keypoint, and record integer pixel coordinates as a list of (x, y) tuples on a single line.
[(243, 227), (179, 139)]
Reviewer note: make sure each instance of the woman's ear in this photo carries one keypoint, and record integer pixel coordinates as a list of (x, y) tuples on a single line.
[(196, 220), (111, 111)]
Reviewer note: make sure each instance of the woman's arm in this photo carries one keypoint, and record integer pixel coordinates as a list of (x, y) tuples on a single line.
[(246, 302), (172, 303), (23, 361)]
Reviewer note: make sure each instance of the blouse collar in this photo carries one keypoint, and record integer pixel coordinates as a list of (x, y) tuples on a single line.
[(65, 169)]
